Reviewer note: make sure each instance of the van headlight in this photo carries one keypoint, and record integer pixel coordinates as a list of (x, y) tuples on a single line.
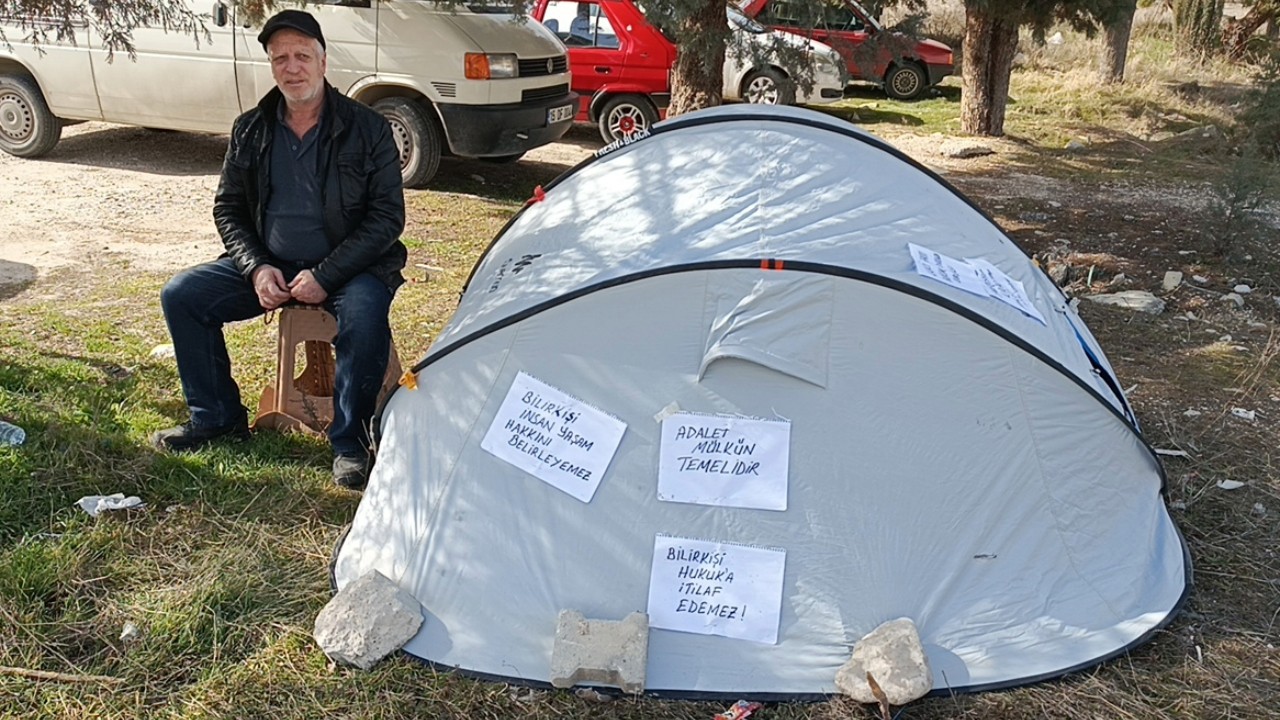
[(485, 66)]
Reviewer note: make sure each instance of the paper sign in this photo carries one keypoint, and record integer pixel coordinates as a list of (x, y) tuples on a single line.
[(956, 273), (713, 588), (724, 460), (554, 436), (976, 276), (1004, 288)]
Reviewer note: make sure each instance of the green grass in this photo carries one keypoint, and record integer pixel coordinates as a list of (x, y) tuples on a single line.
[(225, 569)]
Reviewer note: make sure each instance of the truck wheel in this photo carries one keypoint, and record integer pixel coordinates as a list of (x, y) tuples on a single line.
[(27, 127), (905, 81), (768, 86), (625, 115), (416, 138)]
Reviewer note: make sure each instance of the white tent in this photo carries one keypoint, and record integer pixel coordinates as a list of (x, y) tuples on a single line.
[(769, 380)]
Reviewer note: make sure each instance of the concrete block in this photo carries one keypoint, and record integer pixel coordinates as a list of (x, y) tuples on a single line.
[(600, 652), (367, 620)]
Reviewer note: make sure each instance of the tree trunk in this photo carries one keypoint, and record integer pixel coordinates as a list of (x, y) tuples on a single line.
[(1115, 49), (1238, 31), (697, 78), (990, 42), (1196, 25)]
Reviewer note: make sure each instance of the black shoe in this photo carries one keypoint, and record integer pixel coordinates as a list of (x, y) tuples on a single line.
[(351, 471), (189, 436)]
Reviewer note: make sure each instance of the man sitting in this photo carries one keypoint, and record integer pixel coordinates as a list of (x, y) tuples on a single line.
[(310, 208), (581, 25)]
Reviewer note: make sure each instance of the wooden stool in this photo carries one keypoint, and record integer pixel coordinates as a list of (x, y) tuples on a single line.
[(305, 402)]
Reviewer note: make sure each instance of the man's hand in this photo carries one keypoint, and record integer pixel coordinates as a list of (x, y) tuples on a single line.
[(305, 289), (269, 284)]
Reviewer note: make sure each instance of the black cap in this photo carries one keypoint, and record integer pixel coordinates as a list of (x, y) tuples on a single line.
[(294, 20)]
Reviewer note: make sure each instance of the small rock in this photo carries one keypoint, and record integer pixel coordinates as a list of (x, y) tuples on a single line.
[(1192, 413), (894, 656), (1178, 505), (1230, 484), (162, 352), (591, 695), (1190, 315), (1224, 339), (1186, 252), (1076, 146), (1257, 327), (1055, 204), (1233, 298), (478, 178), (1240, 348), (1243, 289), (1244, 414), (1199, 279), (1172, 279), (1139, 300), (965, 149), (1129, 218), (1259, 509)]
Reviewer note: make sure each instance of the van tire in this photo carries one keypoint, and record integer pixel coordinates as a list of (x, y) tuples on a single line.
[(624, 115), (27, 127), (416, 137), (768, 86)]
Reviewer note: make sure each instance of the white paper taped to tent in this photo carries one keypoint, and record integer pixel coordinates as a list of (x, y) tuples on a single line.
[(949, 459)]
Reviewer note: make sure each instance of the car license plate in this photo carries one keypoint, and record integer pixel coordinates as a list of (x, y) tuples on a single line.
[(559, 114)]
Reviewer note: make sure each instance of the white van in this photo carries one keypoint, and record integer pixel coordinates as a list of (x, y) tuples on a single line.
[(449, 79)]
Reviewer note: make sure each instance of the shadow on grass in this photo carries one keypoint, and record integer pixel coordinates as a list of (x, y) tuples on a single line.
[(87, 423)]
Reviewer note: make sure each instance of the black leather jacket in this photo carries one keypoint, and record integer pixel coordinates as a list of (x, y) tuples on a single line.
[(362, 192)]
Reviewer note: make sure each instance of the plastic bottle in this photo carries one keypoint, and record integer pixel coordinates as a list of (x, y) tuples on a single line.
[(11, 434)]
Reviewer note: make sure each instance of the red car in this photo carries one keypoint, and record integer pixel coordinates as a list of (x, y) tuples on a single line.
[(619, 61), (904, 66)]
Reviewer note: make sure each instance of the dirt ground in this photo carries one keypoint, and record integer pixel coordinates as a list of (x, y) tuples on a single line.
[(143, 194), (147, 195)]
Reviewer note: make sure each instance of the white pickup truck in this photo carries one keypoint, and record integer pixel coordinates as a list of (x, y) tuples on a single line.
[(450, 80)]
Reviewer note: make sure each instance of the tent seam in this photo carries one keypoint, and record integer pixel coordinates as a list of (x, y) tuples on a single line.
[(449, 477), (1057, 521)]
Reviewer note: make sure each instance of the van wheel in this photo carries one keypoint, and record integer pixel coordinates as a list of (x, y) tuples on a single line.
[(905, 81), (416, 138), (768, 86), (27, 127), (625, 115)]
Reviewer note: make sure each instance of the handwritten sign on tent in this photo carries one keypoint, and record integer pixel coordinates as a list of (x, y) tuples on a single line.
[(724, 460), (554, 436), (974, 275), (715, 588)]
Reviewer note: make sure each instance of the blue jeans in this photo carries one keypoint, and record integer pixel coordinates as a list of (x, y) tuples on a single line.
[(198, 301)]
